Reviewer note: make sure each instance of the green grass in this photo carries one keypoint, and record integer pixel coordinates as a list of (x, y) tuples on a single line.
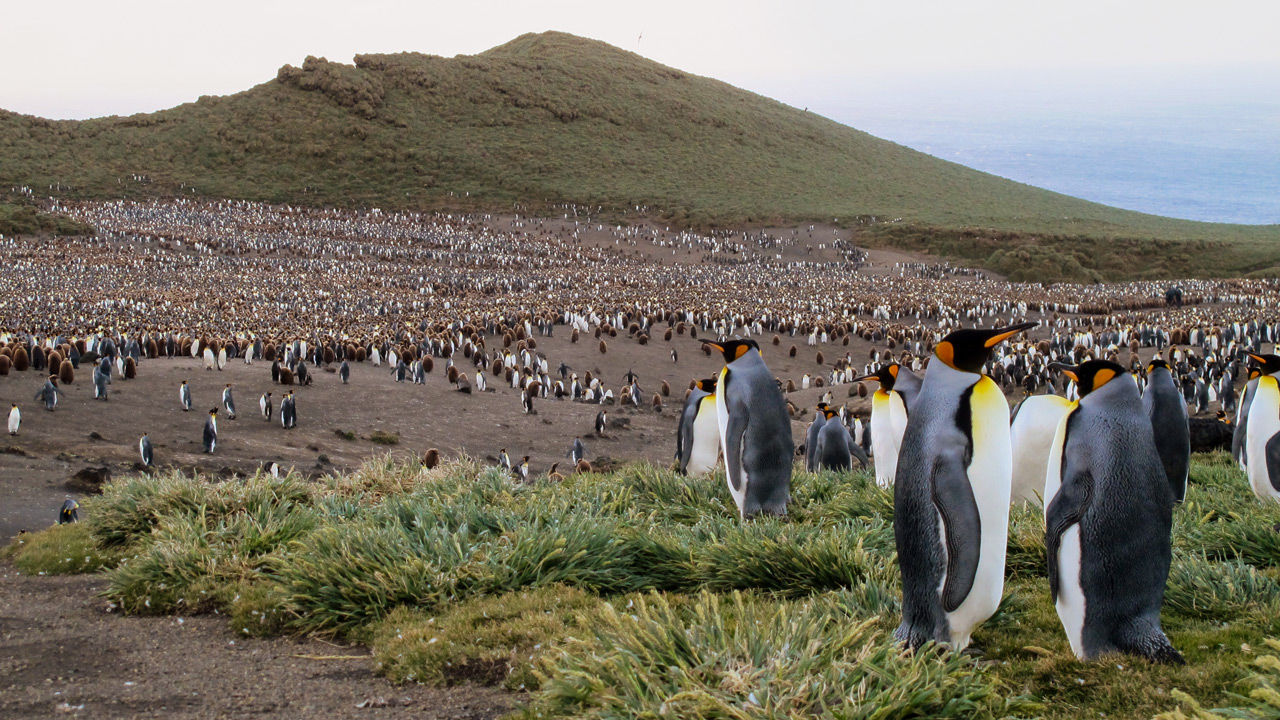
[(552, 118), (60, 550), (382, 437), (22, 218), (639, 594)]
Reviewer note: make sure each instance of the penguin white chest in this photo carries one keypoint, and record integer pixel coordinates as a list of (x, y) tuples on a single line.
[(1070, 602), (705, 452), (990, 474), (885, 441), (1264, 423)]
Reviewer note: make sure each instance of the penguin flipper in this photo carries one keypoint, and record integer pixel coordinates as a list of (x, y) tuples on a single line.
[(857, 452), (962, 526), (1066, 508), (1273, 461), (733, 446)]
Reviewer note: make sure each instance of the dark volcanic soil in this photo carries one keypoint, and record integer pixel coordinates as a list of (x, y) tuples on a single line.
[(63, 654)]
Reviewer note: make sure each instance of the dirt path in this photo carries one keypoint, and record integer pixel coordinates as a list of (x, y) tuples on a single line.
[(62, 653)]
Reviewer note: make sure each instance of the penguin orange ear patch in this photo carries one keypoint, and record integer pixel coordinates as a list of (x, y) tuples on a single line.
[(945, 352), (742, 350), (1102, 377)]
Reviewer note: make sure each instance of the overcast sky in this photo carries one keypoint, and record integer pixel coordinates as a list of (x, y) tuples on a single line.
[(86, 58)]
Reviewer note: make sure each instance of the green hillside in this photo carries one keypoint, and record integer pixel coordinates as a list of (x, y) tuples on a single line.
[(553, 117)]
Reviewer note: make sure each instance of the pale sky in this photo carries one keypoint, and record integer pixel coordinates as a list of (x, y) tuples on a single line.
[(87, 58)]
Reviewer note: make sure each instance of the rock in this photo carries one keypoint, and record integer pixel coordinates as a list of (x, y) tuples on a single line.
[(90, 480)]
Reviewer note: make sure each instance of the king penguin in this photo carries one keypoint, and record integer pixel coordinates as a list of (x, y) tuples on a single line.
[(811, 437), (288, 411), (229, 402), (1168, 413), (69, 512), (1262, 439), (898, 387), (698, 435), (1241, 432), (835, 448), (264, 406), (951, 493), (15, 419), (344, 372), (184, 396), (145, 450), (1031, 430), (755, 431), (211, 431), (1108, 518)]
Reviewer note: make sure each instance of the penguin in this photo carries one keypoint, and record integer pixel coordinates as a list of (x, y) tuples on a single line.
[(184, 396), (1168, 413), (526, 402), (755, 431), (145, 450), (504, 460), (1262, 441), (835, 448), (274, 469), (69, 512), (522, 470), (578, 451), (15, 419), (101, 380), (264, 405), (229, 402), (209, 359), (889, 417), (698, 435), (811, 437), (288, 411), (1031, 430), (1240, 433), (951, 493), (1108, 518), (602, 421), (211, 431), (49, 393), (553, 475), (344, 372), (275, 371)]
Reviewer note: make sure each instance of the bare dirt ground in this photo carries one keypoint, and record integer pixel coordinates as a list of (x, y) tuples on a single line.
[(63, 654)]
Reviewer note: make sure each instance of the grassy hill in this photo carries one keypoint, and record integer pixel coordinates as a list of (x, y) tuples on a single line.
[(553, 117)]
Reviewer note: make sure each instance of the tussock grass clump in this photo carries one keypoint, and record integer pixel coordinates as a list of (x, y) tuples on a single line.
[(737, 657), (60, 550), (382, 437), (493, 640), (796, 560), (1202, 589)]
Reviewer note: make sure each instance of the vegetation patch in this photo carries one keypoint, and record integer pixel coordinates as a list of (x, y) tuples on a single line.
[(639, 593)]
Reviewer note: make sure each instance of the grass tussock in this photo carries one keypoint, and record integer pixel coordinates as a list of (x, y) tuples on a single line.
[(494, 640), (639, 593), (60, 550), (738, 657), (382, 437)]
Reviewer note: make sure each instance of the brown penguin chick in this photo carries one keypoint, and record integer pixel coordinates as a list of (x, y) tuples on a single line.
[(431, 459), (554, 476), (582, 467)]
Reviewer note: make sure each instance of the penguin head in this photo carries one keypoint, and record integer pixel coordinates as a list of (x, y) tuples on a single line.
[(969, 349), (733, 349), (706, 384), (829, 413), (822, 407), (1156, 362), (1267, 364), (213, 411), (1090, 375), (886, 375)]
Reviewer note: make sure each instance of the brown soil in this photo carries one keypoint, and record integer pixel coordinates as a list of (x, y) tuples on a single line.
[(64, 653)]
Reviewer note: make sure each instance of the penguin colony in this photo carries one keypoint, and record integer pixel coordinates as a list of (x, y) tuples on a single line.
[(938, 429)]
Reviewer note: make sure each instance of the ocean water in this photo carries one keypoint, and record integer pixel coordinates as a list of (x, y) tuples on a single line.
[(1218, 164)]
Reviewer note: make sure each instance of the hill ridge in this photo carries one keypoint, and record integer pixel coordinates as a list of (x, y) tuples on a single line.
[(550, 118)]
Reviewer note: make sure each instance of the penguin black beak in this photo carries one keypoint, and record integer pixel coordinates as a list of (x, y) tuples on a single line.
[(1068, 370), (1003, 334)]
